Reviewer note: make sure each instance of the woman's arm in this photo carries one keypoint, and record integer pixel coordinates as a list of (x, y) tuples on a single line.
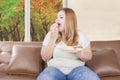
[(85, 54), (47, 50)]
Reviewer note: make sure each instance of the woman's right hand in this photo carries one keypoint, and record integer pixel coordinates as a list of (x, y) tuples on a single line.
[(54, 31)]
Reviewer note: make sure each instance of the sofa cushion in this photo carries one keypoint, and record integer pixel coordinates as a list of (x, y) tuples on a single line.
[(104, 63), (5, 57), (3, 67), (25, 60)]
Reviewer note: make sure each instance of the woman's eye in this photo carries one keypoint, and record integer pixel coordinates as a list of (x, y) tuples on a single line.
[(61, 17)]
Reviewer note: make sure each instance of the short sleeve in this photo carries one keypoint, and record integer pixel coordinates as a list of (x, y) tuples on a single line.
[(46, 39), (83, 40)]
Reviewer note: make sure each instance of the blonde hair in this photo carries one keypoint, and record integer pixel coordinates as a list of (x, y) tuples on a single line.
[(71, 35)]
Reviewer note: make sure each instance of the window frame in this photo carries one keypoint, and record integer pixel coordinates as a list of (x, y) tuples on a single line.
[(27, 19)]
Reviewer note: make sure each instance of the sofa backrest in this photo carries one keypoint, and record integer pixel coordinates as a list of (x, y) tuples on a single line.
[(6, 48), (7, 45), (115, 44)]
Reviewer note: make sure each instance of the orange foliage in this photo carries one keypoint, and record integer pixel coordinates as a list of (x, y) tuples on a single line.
[(38, 4), (19, 8), (22, 2), (16, 9), (51, 1)]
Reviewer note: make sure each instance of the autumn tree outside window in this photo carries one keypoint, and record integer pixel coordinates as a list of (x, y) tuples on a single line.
[(42, 15)]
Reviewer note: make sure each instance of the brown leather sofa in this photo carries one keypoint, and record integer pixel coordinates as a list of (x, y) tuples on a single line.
[(22, 60), (106, 59)]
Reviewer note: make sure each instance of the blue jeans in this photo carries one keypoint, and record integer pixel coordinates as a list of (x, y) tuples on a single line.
[(78, 73)]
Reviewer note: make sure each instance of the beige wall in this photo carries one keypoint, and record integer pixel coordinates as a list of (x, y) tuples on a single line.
[(99, 19)]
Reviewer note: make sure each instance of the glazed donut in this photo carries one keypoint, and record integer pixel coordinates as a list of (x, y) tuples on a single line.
[(70, 48)]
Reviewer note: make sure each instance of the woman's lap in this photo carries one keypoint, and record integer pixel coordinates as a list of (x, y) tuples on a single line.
[(82, 73), (51, 73), (78, 73)]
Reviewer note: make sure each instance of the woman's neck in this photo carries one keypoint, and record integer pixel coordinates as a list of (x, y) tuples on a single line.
[(63, 36)]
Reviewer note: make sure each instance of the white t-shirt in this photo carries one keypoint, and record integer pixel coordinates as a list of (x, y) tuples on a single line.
[(64, 60)]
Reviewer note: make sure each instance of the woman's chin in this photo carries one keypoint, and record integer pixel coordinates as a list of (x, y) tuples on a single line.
[(61, 30)]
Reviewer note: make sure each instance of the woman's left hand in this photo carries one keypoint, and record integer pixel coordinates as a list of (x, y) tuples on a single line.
[(54, 31), (85, 54)]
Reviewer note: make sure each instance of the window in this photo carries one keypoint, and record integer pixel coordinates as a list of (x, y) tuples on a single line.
[(11, 20), (42, 15), (27, 20)]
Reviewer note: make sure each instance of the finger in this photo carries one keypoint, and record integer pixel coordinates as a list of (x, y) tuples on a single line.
[(78, 46), (55, 25), (52, 27), (56, 28)]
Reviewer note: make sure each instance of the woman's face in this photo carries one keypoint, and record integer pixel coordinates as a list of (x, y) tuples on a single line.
[(60, 20)]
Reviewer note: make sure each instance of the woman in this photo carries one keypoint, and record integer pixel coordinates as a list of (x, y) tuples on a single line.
[(66, 64)]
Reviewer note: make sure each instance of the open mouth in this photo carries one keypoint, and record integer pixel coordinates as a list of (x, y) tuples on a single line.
[(58, 24)]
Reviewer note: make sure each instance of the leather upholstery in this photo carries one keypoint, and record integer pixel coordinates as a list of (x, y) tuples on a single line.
[(115, 45), (7, 47), (104, 63)]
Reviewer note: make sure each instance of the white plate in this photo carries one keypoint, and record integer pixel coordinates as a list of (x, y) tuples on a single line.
[(68, 50), (72, 51)]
